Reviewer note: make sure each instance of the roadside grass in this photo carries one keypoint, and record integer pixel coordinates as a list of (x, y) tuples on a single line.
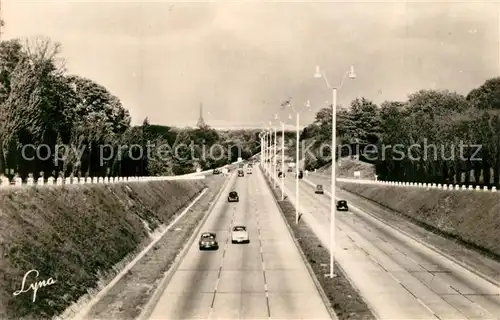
[(345, 300), (79, 235), (470, 218), (346, 168), (128, 297)]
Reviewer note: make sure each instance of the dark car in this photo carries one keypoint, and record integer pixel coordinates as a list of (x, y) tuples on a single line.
[(240, 165), (233, 197), (208, 242), (319, 189), (281, 174), (249, 165), (241, 173), (216, 171), (301, 174), (342, 205), (290, 169)]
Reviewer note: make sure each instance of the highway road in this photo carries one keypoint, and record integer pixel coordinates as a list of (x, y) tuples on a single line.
[(399, 277), (265, 279)]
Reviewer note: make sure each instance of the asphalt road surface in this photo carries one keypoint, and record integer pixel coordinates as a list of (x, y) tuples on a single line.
[(399, 277), (265, 279)]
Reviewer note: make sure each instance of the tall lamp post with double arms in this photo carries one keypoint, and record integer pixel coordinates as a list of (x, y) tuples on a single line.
[(351, 75), (288, 104)]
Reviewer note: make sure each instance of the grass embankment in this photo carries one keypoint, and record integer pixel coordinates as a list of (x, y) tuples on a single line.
[(345, 300), (128, 297), (346, 168), (79, 235), (468, 217)]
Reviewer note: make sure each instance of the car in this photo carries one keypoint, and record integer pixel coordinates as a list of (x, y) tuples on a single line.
[(250, 165), (281, 174), (342, 205), (319, 189), (239, 234), (233, 197), (241, 173), (301, 174), (208, 241), (290, 169), (249, 171), (216, 171), (240, 165)]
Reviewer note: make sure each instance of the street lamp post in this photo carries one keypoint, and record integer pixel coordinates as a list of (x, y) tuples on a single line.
[(276, 117), (297, 171), (282, 161), (274, 160), (269, 154), (261, 149), (289, 104), (351, 75), (264, 164)]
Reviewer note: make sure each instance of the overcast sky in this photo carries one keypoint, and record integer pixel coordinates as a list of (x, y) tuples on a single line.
[(242, 59)]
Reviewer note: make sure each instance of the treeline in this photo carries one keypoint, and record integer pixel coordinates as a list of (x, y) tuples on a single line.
[(59, 124), (434, 136)]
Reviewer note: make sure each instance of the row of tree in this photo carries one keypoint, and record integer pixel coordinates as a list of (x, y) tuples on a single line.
[(435, 136), (62, 124)]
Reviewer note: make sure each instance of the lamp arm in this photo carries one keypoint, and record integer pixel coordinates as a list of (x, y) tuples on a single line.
[(343, 80), (326, 80)]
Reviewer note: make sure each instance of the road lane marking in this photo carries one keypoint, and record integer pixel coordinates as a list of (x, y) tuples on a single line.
[(371, 257), (261, 249), (226, 245)]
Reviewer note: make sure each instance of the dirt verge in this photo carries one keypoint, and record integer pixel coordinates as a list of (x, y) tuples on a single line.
[(344, 298)]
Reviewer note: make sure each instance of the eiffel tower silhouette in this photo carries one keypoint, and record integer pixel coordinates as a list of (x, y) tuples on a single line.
[(201, 123)]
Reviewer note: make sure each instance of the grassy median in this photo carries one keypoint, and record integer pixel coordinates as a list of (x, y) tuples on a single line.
[(345, 300)]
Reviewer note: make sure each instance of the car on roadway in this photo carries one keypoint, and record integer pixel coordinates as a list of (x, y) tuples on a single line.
[(250, 165), (249, 170), (208, 241), (319, 189), (301, 174), (216, 171), (342, 205), (281, 174), (241, 173), (290, 169), (239, 234), (240, 165), (233, 197)]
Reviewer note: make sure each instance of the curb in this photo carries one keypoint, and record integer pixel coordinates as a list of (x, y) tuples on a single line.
[(424, 243), (147, 310), (322, 293)]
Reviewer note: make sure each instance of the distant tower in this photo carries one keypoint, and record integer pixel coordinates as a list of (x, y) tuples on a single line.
[(201, 123)]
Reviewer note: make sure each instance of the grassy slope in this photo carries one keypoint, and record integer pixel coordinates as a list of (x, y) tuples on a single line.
[(76, 234), (468, 216), (347, 167)]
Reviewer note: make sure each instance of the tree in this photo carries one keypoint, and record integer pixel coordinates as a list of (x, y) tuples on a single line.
[(487, 96)]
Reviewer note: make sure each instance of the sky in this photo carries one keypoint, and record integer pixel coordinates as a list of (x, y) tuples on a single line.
[(242, 59)]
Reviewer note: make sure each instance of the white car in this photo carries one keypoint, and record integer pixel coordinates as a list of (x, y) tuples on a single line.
[(239, 234)]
